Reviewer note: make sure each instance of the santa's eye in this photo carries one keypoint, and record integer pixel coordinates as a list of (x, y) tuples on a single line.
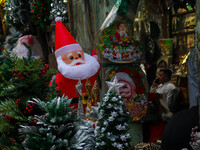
[(123, 87), (71, 57), (79, 55)]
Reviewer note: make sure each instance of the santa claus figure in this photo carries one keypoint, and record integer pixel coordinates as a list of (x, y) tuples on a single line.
[(73, 64), (122, 33), (22, 51), (127, 91)]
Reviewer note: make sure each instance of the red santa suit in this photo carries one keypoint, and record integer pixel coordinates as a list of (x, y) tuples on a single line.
[(67, 79)]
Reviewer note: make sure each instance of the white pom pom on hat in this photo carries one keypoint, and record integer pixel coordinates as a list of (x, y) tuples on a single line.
[(58, 19)]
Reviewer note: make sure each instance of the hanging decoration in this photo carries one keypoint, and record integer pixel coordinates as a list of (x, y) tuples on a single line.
[(122, 9), (95, 92), (59, 8), (88, 87), (80, 111), (118, 44), (40, 12), (133, 91), (2, 13), (18, 13)]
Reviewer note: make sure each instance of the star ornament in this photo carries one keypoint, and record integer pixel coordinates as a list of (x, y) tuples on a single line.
[(114, 85)]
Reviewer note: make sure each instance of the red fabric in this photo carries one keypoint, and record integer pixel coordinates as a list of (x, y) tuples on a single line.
[(68, 86), (94, 52), (62, 36), (152, 96), (156, 131)]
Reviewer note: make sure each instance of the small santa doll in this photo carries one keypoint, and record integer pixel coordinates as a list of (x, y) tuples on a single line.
[(73, 64), (20, 50)]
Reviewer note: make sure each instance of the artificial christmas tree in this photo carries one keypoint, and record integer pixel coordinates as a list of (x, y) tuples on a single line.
[(21, 79), (112, 121), (57, 129), (18, 14)]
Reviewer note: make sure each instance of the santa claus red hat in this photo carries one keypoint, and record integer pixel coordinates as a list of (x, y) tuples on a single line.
[(64, 41)]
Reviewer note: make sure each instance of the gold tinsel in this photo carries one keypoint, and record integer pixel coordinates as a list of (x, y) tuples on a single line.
[(2, 13), (95, 92), (88, 87)]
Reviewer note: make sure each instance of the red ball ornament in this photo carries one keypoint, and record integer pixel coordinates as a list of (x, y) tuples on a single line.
[(32, 11), (35, 121)]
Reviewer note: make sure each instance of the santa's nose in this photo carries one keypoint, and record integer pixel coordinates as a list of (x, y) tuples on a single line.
[(76, 58)]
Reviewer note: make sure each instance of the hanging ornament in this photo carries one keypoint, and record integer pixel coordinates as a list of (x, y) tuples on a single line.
[(59, 8), (80, 111), (95, 93), (17, 13), (88, 87), (79, 88)]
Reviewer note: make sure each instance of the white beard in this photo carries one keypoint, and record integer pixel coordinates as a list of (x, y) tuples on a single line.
[(82, 71)]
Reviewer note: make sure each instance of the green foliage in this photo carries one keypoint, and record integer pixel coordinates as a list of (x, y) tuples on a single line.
[(55, 129), (21, 79), (112, 123), (27, 77), (41, 12), (9, 107), (53, 93), (5, 127)]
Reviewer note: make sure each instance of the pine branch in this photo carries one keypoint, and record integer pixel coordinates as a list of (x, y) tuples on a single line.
[(29, 130), (52, 90), (10, 108), (56, 129), (29, 52), (5, 126), (39, 103), (16, 147)]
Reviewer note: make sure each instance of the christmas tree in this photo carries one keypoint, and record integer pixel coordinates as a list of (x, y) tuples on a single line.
[(21, 79), (58, 128), (18, 13), (112, 121), (40, 12)]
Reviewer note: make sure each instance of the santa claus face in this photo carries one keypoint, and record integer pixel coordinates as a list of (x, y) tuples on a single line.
[(74, 58), (127, 90), (122, 27)]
